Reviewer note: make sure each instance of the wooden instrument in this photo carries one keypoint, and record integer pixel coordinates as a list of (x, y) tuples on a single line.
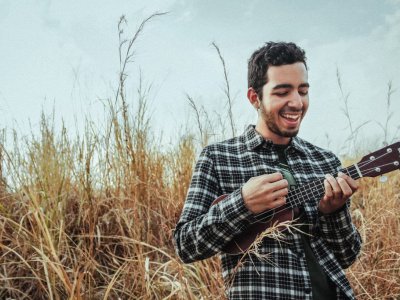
[(374, 164)]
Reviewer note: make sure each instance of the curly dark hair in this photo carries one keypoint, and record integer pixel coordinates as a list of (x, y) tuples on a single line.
[(271, 54)]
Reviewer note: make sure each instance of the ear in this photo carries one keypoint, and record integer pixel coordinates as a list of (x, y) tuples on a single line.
[(253, 98)]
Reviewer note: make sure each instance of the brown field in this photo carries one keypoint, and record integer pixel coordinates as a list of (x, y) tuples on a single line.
[(91, 216)]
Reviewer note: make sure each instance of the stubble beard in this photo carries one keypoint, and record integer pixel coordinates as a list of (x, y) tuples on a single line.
[(271, 124)]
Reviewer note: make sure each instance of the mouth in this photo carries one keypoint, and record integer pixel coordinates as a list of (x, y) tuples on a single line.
[(291, 118)]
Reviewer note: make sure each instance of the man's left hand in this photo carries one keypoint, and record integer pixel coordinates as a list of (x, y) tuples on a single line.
[(337, 191)]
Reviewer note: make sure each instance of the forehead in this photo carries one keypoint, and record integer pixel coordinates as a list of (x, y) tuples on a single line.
[(294, 74)]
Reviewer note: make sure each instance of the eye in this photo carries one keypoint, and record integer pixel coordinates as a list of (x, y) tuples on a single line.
[(303, 93), (281, 94)]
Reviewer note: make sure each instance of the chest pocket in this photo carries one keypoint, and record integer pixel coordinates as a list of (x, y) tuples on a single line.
[(237, 170)]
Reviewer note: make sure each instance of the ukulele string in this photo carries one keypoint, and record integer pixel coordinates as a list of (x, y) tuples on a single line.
[(318, 184), (369, 171), (362, 164)]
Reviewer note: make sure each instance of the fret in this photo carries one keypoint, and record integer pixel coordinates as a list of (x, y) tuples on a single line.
[(311, 190), (374, 164), (314, 190), (346, 171), (304, 193), (352, 171), (292, 199)]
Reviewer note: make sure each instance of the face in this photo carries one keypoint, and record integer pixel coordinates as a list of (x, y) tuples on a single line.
[(284, 103)]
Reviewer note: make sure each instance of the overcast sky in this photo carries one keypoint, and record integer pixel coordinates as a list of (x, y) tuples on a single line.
[(65, 54)]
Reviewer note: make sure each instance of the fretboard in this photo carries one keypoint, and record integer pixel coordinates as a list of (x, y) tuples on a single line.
[(314, 190)]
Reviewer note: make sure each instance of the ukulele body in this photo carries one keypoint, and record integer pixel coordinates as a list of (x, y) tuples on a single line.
[(242, 241)]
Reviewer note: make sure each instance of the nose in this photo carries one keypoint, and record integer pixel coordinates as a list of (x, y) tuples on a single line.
[(296, 101)]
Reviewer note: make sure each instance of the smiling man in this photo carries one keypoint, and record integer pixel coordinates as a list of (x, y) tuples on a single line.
[(282, 118), (252, 174)]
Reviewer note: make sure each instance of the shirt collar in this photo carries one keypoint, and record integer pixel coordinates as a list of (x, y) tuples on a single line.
[(253, 139)]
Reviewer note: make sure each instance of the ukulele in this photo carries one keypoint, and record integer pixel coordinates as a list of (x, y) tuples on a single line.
[(374, 164)]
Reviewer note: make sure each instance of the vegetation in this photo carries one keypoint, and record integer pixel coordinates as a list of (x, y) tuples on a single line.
[(91, 217)]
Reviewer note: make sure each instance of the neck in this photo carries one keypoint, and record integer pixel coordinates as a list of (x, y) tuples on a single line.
[(267, 134)]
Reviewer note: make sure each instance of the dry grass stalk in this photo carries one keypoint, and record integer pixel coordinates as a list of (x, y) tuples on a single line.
[(277, 231), (227, 91), (376, 274), (91, 217)]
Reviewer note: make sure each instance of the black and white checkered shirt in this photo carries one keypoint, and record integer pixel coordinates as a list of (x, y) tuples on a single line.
[(203, 230)]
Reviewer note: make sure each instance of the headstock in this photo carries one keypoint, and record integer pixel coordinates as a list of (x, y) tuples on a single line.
[(381, 161)]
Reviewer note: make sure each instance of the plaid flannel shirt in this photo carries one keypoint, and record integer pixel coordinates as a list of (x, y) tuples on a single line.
[(203, 230)]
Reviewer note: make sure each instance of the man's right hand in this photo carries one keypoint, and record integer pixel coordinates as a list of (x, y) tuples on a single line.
[(265, 192)]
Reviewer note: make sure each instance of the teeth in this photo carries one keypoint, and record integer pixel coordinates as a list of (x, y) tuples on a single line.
[(290, 116)]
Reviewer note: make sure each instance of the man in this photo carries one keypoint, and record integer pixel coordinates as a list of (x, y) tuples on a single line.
[(248, 170)]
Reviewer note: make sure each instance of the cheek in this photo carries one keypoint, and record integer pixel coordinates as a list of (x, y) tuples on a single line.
[(274, 107)]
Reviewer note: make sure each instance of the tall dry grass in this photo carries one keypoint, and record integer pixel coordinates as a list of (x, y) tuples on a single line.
[(376, 212), (91, 216)]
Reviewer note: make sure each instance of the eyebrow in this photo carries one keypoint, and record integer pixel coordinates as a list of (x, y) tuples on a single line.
[(289, 86)]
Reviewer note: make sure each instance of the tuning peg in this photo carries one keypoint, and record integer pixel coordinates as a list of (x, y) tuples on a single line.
[(383, 178)]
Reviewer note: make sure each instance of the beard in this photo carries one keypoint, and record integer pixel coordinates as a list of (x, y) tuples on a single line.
[(270, 121)]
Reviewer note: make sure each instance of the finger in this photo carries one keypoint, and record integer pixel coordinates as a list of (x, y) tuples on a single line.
[(274, 190), (279, 202), (350, 181), (277, 185), (346, 189), (280, 193), (266, 178), (271, 177), (328, 190), (337, 191)]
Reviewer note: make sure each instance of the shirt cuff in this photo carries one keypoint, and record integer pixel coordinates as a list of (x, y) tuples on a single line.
[(234, 211), (339, 220)]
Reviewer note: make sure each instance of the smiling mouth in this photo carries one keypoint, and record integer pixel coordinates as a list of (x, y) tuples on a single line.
[(292, 116)]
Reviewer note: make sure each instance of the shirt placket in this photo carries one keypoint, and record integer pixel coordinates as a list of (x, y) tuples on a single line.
[(297, 245)]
